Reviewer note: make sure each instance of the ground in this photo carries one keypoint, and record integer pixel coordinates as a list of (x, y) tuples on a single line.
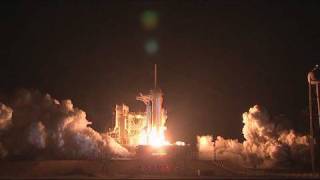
[(137, 169)]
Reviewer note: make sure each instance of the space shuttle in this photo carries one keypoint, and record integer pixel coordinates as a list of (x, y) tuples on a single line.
[(155, 113)]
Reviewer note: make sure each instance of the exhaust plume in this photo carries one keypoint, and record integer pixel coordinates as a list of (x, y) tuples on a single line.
[(39, 126), (265, 144)]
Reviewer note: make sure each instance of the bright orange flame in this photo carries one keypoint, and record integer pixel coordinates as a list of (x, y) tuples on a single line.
[(203, 140), (154, 138), (143, 138)]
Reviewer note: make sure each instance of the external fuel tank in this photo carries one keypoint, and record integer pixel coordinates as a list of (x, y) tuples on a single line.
[(157, 99)]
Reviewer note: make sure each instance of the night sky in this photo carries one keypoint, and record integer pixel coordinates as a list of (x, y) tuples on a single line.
[(216, 59)]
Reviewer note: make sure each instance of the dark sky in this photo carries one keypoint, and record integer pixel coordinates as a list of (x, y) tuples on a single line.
[(216, 58)]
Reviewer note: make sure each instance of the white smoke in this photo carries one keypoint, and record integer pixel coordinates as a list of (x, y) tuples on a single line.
[(5, 116), (205, 147), (43, 126), (5, 123), (38, 135), (265, 145)]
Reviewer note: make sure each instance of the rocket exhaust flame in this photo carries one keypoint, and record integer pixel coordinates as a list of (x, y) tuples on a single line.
[(157, 138), (154, 138)]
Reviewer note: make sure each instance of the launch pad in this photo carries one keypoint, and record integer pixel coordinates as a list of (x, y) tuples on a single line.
[(133, 129)]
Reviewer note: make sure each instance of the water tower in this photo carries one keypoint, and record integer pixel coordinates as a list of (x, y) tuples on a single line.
[(314, 113)]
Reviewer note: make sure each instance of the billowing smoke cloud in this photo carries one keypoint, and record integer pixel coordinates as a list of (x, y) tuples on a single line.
[(265, 144), (5, 116), (38, 126), (38, 135), (5, 122)]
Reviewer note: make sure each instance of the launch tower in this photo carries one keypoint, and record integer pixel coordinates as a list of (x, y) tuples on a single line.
[(142, 128)]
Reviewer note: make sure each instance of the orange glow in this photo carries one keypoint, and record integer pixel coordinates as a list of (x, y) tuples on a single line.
[(180, 143), (154, 138), (159, 152), (203, 140)]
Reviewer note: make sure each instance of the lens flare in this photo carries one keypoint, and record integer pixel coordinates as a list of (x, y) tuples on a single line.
[(151, 46), (149, 19)]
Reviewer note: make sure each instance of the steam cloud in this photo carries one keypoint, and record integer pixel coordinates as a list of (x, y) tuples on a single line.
[(265, 144), (5, 116), (38, 126)]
